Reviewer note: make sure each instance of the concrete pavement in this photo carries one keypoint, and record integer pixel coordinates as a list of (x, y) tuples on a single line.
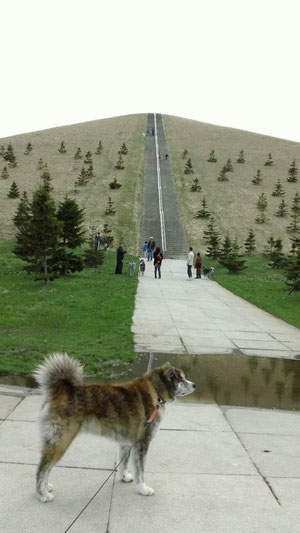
[(175, 315), (213, 470)]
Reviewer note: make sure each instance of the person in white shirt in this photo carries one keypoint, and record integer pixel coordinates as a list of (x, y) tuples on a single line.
[(190, 262)]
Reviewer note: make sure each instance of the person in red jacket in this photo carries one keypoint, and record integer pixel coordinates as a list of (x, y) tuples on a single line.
[(198, 266), (157, 259)]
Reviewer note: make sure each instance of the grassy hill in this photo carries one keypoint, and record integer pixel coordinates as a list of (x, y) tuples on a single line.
[(64, 170), (233, 203)]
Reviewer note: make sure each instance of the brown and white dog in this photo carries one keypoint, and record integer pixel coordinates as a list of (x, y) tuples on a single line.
[(119, 412)]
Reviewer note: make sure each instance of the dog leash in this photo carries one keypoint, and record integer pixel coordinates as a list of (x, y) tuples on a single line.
[(160, 401)]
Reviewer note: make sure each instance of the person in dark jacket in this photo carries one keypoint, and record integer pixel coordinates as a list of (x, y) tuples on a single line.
[(120, 257), (198, 266), (157, 259), (151, 248)]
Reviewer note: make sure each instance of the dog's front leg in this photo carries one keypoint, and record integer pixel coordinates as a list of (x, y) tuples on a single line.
[(139, 452), (123, 456)]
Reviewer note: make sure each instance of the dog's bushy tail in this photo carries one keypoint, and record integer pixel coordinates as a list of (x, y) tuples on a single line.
[(57, 369)]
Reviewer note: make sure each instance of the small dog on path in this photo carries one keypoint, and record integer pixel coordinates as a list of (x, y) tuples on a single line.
[(142, 267), (208, 272), (119, 412)]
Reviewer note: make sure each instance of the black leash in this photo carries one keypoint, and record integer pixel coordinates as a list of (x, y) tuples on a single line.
[(160, 401)]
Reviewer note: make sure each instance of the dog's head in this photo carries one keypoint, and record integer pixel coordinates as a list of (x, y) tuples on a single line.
[(172, 381)]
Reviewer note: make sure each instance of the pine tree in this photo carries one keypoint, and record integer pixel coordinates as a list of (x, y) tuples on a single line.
[(107, 237), (228, 166), (261, 205), (296, 203), (90, 171), (233, 261), (115, 184), (23, 212), (292, 172), (189, 167), (28, 149), (226, 247), (120, 163), (46, 178), (279, 190), (41, 165), (4, 174), (82, 179), (257, 178), (212, 157), (88, 158), (71, 217), (268, 250), (93, 257), (184, 154), (203, 212), (294, 226), (62, 148), (223, 174), (195, 187), (99, 148), (277, 257), (241, 158), (78, 154), (250, 242), (110, 210), (292, 269), (282, 210), (10, 156), (123, 150), (269, 162), (212, 237), (13, 191)]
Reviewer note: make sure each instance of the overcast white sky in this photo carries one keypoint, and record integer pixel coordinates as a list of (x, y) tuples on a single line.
[(228, 62)]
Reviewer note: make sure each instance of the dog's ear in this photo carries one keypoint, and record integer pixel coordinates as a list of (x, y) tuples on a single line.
[(169, 371)]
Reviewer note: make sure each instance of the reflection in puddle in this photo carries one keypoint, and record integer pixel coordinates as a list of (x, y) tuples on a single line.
[(225, 379)]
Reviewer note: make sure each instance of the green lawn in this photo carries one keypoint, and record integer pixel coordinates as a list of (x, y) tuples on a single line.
[(88, 315), (261, 286)]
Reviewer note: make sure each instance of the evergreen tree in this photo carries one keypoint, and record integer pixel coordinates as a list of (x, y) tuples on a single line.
[(195, 187), (41, 165), (279, 190), (46, 178), (10, 156), (90, 171), (88, 158), (13, 191), (293, 172), (233, 261), (294, 225), (123, 150), (120, 163), (223, 174), (226, 247), (4, 174), (99, 148), (82, 179), (295, 240), (268, 250), (115, 184), (261, 205), (110, 210), (228, 166), (292, 268), (282, 210), (62, 148), (241, 158), (184, 154), (212, 237), (28, 149), (71, 218), (296, 203), (78, 154), (250, 242), (107, 236), (189, 167), (257, 178), (38, 239), (212, 157), (269, 162), (203, 212), (93, 257), (277, 257), (23, 212)]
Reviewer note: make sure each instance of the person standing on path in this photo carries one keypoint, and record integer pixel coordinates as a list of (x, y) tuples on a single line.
[(157, 259), (120, 257), (145, 249), (198, 266), (151, 248), (190, 263)]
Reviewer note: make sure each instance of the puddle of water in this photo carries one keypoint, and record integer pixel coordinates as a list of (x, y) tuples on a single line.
[(235, 379)]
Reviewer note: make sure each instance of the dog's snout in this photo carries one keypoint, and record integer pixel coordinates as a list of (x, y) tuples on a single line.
[(194, 385)]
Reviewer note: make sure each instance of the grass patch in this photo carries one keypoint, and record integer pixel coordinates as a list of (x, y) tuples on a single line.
[(262, 286), (87, 315)]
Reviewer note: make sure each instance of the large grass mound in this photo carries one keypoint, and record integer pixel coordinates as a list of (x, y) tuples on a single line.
[(233, 203)]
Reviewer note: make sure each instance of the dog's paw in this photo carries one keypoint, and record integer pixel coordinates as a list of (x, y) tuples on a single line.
[(144, 490), (49, 487), (126, 477), (45, 498)]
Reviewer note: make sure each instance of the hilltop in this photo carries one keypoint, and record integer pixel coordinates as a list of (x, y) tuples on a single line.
[(232, 203)]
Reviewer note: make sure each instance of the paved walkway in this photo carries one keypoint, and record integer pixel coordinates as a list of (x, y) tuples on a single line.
[(175, 315), (213, 470)]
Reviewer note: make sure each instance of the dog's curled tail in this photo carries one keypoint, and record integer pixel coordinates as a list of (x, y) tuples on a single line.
[(57, 369)]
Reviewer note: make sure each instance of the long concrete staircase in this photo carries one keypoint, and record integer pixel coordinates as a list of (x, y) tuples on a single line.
[(160, 216)]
